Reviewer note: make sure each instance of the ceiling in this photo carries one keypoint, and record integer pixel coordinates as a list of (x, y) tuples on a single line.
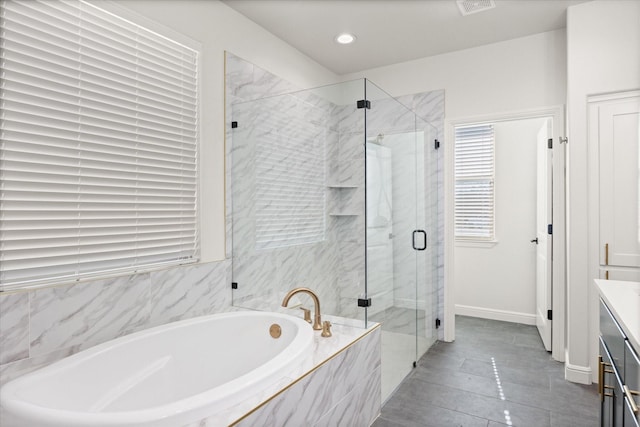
[(392, 31)]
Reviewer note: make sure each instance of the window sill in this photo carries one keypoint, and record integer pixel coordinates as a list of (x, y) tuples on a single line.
[(488, 244)]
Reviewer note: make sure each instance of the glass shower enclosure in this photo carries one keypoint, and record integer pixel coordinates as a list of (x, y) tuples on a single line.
[(334, 188)]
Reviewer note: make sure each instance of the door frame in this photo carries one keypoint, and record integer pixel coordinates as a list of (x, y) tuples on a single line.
[(557, 113)]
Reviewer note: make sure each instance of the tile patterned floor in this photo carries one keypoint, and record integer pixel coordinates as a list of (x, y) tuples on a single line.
[(494, 374)]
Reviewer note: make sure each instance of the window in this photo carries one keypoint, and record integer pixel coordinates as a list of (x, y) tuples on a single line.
[(98, 151), (474, 186)]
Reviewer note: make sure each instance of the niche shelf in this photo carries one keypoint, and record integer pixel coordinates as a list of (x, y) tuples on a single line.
[(342, 186)]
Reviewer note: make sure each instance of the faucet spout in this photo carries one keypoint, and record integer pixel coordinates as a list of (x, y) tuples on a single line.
[(317, 321)]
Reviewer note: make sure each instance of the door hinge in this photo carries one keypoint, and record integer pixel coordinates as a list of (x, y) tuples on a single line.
[(234, 285), (364, 103), (437, 323), (564, 140), (550, 229), (234, 125), (550, 143), (364, 302), (436, 143), (549, 314)]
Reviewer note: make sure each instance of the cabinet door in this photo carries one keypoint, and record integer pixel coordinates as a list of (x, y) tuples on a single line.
[(610, 389), (630, 419), (632, 381), (606, 387), (615, 124)]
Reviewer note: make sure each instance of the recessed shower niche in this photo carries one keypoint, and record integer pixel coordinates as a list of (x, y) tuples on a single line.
[(336, 188)]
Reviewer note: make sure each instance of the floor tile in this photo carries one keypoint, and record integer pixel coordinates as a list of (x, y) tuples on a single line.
[(562, 420), (474, 404), (419, 413), (494, 368), (494, 374)]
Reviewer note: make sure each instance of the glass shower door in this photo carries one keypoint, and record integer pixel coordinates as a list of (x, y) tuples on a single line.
[(400, 263)]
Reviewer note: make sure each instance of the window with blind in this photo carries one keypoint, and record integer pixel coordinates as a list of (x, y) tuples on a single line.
[(99, 143), (474, 183), (290, 177)]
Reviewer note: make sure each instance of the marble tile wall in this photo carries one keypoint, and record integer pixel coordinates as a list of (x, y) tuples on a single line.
[(343, 391), (41, 326), (264, 275), (268, 277)]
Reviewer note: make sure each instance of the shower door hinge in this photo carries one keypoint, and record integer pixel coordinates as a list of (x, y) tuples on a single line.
[(234, 285), (364, 302), (437, 323), (234, 125), (550, 143), (364, 103), (549, 315), (436, 144)]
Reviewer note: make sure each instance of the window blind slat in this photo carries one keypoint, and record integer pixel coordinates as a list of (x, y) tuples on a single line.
[(98, 157), (474, 180)]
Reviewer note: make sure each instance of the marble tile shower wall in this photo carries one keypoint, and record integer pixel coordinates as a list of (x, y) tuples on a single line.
[(345, 198), (265, 275), (333, 268), (41, 326)]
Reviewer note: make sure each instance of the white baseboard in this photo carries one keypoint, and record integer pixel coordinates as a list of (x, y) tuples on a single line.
[(490, 313), (577, 374)]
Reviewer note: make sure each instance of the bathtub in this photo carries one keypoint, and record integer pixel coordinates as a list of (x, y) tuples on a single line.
[(169, 375)]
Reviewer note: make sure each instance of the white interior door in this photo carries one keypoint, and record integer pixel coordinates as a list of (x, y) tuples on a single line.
[(544, 239)]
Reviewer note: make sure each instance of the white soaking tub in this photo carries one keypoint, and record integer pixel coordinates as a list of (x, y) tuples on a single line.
[(169, 375)]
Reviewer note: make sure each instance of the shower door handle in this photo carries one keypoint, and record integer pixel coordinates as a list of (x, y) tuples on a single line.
[(424, 240)]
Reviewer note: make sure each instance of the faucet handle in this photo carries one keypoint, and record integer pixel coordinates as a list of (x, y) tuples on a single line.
[(307, 314), (326, 329)]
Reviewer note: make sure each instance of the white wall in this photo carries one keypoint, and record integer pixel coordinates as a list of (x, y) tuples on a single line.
[(498, 281), (218, 28), (603, 47), (519, 74)]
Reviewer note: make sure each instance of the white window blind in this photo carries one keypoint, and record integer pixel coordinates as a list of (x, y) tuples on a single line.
[(474, 187), (98, 145), (290, 177)]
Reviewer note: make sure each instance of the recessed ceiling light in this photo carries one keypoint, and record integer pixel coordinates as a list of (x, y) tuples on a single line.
[(345, 38)]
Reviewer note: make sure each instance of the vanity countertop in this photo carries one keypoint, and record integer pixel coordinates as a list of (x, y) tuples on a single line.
[(623, 299)]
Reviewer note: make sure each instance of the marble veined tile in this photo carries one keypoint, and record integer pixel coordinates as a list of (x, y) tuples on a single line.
[(311, 398), (358, 408), (11, 371), (189, 291), (87, 314), (14, 327), (239, 73)]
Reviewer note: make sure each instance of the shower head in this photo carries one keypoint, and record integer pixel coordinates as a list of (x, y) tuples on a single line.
[(377, 139)]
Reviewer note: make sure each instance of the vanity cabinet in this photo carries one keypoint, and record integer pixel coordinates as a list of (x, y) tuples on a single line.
[(632, 384), (618, 374), (611, 369)]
